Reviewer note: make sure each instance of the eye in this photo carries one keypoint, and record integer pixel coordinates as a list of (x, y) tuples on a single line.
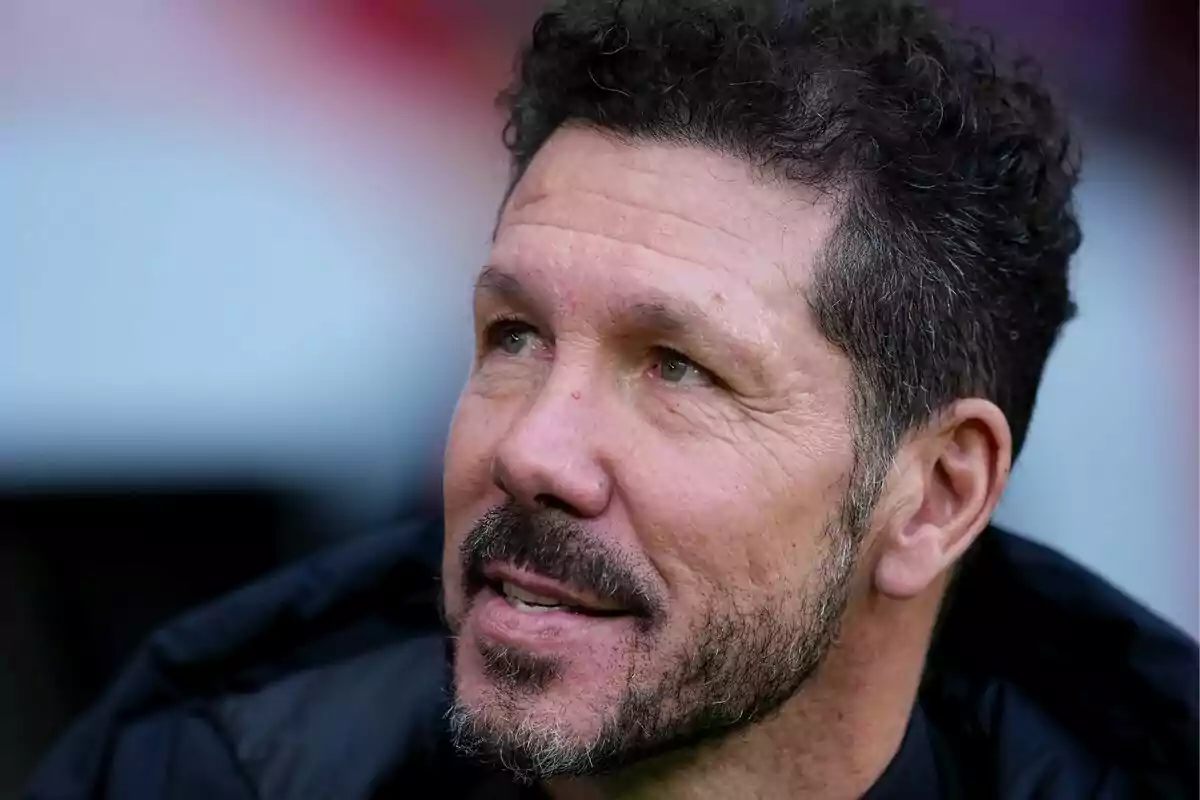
[(511, 336), (673, 367)]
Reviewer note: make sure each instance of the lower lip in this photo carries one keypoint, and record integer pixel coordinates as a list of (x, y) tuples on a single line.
[(498, 620)]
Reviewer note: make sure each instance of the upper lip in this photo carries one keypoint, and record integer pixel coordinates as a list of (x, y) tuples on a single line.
[(498, 573)]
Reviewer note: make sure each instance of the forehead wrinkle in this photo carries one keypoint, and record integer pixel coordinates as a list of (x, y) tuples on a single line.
[(697, 183), (658, 258), (552, 213), (694, 164), (699, 189), (540, 196)]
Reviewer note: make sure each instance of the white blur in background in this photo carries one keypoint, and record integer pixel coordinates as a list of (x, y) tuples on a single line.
[(227, 252), (1109, 470)]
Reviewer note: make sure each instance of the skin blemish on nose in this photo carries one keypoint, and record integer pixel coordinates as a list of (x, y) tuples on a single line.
[(576, 394)]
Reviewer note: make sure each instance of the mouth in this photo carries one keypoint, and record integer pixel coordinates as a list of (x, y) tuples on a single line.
[(515, 607), (530, 593)]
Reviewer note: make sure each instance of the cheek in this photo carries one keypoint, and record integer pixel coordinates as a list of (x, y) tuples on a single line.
[(494, 395), (467, 452), (730, 517), (467, 487)]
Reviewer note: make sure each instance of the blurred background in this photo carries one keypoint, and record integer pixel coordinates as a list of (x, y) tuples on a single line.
[(236, 247)]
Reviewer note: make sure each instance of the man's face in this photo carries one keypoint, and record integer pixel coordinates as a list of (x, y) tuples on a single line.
[(649, 464)]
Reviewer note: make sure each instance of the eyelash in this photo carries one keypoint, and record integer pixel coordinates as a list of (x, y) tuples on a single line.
[(664, 353), (494, 328)]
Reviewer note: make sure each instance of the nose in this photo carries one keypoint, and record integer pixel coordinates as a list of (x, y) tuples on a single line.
[(549, 459)]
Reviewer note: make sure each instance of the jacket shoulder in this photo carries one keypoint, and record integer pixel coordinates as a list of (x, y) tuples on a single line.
[(176, 753), (158, 720), (1055, 677)]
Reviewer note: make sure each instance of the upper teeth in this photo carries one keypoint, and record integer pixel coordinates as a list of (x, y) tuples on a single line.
[(514, 592)]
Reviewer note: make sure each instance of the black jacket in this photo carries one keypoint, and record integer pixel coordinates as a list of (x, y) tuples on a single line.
[(327, 681)]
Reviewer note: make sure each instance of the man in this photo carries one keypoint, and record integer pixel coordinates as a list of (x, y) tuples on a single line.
[(758, 341)]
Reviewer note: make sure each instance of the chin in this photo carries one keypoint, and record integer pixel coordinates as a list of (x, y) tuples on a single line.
[(537, 719), (555, 689)]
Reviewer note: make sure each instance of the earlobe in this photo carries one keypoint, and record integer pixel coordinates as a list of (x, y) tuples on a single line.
[(960, 464), (909, 567)]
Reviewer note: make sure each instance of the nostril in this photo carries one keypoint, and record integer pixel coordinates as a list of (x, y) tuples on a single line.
[(550, 501), (502, 485)]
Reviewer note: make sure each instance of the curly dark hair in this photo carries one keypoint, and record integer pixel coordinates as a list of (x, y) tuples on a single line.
[(946, 275)]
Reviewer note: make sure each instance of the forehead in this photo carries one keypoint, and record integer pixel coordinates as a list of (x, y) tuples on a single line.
[(601, 218)]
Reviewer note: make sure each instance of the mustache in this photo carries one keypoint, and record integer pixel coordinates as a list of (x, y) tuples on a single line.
[(553, 544)]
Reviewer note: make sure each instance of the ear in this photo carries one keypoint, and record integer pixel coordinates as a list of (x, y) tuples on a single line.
[(955, 470)]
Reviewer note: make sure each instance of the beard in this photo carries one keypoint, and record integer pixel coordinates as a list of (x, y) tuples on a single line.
[(737, 667)]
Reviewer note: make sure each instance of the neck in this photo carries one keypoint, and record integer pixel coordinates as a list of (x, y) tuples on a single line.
[(833, 739)]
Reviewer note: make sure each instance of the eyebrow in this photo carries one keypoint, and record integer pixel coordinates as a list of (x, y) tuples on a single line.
[(493, 280), (662, 317), (654, 315)]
